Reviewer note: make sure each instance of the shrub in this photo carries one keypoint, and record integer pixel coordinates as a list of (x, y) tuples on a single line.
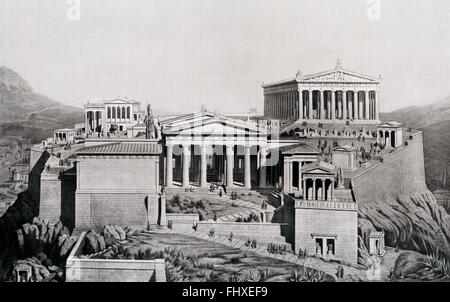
[(259, 275), (307, 275)]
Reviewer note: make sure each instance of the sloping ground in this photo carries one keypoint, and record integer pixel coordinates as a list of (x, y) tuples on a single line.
[(434, 121), (413, 222), (24, 112)]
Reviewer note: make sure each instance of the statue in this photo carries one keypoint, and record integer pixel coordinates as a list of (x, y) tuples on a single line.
[(340, 178)]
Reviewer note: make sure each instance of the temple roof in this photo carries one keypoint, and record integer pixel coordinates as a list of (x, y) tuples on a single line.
[(207, 122), (391, 124), (336, 75), (318, 167), (299, 148), (123, 148), (344, 148)]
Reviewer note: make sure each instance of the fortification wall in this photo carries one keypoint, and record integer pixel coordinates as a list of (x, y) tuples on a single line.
[(125, 209), (401, 172), (327, 219)]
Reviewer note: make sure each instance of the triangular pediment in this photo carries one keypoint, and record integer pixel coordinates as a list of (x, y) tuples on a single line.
[(118, 101), (317, 171), (344, 148), (338, 76), (318, 168), (389, 125), (206, 123)]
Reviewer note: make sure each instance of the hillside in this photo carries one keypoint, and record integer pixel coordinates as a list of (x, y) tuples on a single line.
[(24, 112), (434, 121)]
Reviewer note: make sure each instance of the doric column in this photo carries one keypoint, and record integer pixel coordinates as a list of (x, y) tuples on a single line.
[(377, 106), (262, 167), (314, 189), (203, 168), (344, 104), (355, 103), (310, 94), (366, 105), (304, 189), (186, 160), (333, 104), (323, 189), (230, 162), (331, 190), (322, 104), (169, 167), (300, 104), (247, 175)]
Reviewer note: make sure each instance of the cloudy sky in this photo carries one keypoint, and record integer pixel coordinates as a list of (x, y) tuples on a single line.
[(179, 54)]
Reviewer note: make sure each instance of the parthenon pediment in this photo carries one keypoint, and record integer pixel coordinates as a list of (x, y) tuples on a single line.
[(338, 76)]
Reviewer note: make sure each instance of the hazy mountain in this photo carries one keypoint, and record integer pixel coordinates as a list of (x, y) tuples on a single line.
[(434, 121), (24, 112)]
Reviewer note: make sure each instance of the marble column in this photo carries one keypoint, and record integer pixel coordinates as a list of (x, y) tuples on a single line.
[(314, 190), (247, 175), (304, 189), (322, 104), (169, 166), (323, 189), (300, 104), (333, 104), (230, 162), (186, 164), (203, 168), (366, 105), (310, 104), (354, 104), (344, 105), (377, 106), (262, 167), (331, 190)]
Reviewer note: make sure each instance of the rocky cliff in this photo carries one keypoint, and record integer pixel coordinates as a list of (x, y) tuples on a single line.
[(414, 222)]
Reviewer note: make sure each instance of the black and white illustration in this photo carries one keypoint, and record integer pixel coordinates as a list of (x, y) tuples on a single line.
[(224, 140)]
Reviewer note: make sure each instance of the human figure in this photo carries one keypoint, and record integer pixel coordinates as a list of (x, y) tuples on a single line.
[(338, 272), (224, 188)]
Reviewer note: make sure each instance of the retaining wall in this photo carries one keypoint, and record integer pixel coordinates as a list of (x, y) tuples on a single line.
[(111, 270)]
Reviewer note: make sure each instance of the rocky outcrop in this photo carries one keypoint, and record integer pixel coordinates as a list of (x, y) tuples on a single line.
[(413, 222), (111, 234), (41, 236), (363, 253), (34, 269)]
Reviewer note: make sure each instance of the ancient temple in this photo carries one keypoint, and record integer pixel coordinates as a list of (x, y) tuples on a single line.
[(330, 96)]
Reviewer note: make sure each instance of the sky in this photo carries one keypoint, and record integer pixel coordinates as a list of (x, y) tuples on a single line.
[(180, 54)]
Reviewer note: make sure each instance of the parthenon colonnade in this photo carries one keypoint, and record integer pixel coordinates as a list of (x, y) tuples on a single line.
[(323, 104)]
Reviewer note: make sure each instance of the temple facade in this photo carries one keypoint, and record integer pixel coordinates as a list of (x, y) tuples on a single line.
[(326, 97), (118, 114)]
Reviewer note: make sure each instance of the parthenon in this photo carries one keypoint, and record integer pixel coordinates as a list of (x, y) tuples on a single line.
[(330, 96)]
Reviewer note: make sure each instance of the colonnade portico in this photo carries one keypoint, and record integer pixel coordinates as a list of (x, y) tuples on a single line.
[(338, 104), (332, 95), (229, 159)]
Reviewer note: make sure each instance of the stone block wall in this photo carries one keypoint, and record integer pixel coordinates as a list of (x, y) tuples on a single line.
[(401, 172), (119, 190), (111, 270), (323, 221), (125, 209), (50, 199)]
